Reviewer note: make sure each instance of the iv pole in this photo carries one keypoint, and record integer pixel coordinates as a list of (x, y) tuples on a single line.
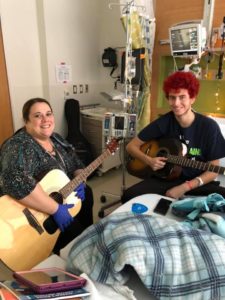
[(129, 63), (129, 74)]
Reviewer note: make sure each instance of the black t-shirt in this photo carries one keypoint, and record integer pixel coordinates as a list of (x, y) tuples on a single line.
[(203, 139)]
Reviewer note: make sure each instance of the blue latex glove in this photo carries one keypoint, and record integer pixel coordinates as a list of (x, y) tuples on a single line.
[(80, 191), (62, 216)]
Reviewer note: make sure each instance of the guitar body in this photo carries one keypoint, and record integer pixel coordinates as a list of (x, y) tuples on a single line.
[(175, 153), (27, 236), (154, 148)]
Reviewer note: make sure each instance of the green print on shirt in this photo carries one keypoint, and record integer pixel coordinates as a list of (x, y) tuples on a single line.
[(195, 151)]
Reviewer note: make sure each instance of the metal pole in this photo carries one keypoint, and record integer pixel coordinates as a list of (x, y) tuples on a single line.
[(208, 18), (123, 187)]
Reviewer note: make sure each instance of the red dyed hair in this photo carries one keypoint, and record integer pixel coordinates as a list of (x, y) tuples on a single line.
[(181, 80)]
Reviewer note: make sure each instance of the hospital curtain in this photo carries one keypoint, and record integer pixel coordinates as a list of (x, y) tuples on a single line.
[(142, 35)]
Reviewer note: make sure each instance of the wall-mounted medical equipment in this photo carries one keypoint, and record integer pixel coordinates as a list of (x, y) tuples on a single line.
[(120, 125), (109, 58), (187, 39)]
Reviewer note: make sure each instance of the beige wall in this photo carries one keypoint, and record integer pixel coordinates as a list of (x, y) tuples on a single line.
[(39, 34)]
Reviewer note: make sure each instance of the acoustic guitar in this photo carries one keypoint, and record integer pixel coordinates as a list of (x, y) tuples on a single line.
[(174, 151), (27, 236)]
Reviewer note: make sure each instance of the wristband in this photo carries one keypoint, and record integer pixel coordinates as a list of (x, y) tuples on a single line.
[(189, 185), (200, 181)]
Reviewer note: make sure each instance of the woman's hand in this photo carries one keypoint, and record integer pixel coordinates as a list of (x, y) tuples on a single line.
[(80, 191), (62, 216), (38, 199), (78, 171)]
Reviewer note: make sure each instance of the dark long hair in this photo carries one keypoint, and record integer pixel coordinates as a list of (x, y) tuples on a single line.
[(27, 106)]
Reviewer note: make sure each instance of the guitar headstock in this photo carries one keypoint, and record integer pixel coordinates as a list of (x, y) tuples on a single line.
[(113, 144)]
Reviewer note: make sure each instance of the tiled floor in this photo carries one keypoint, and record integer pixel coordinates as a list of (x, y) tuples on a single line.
[(109, 184)]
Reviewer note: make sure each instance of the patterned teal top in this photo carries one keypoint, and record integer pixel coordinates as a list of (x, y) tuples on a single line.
[(23, 162)]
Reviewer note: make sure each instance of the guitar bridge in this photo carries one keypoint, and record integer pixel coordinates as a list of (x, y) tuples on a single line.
[(33, 221)]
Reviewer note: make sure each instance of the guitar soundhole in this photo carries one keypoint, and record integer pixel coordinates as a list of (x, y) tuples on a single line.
[(57, 197), (163, 152), (164, 172), (49, 224)]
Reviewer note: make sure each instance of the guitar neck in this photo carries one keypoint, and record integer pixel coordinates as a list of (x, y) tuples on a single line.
[(73, 184), (185, 162)]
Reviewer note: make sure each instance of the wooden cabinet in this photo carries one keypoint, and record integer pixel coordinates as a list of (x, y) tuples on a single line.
[(6, 123)]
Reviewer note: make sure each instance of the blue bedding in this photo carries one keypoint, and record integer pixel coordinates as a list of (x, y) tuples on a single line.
[(172, 260)]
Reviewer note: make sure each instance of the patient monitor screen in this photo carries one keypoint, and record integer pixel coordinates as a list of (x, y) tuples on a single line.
[(184, 39)]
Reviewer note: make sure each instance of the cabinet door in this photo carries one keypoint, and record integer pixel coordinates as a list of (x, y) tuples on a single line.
[(92, 129), (6, 123)]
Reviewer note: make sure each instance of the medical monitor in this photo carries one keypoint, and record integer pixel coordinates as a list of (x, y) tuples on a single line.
[(187, 39)]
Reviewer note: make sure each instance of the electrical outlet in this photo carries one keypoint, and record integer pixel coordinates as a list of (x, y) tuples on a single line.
[(81, 89), (86, 88), (75, 89)]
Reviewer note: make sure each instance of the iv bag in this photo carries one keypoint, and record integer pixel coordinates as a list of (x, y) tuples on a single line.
[(131, 68)]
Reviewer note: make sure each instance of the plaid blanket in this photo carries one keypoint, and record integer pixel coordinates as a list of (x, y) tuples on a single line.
[(172, 260)]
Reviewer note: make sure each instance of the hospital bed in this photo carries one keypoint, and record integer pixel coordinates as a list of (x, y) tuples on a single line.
[(134, 289), (202, 254)]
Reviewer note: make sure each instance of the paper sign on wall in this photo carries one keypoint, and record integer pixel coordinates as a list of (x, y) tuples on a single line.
[(63, 73)]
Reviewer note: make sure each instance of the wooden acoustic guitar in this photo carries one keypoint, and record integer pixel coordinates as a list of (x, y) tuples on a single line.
[(174, 151), (28, 236)]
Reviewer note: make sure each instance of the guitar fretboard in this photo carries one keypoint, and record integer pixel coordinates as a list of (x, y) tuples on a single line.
[(73, 184), (185, 162)]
